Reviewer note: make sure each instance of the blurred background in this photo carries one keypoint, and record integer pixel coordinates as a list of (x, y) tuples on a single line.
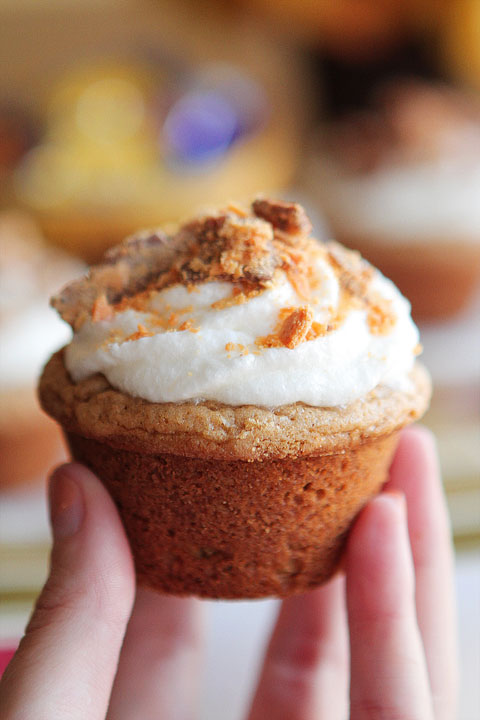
[(118, 114)]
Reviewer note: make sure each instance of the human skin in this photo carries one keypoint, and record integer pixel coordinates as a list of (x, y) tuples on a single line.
[(90, 632)]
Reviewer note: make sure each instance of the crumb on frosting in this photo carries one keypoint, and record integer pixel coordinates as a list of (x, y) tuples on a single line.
[(231, 347), (102, 310), (380, 316), (140, 333), (295, 325), (188, 325), (240, 295)]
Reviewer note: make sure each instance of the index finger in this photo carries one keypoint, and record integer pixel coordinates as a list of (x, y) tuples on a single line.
[(66, 662)]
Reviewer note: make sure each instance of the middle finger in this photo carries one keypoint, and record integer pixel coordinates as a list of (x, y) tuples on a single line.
[(305, 671), (158, 670)]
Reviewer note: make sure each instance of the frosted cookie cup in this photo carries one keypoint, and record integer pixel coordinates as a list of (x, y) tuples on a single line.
[(239, 434)]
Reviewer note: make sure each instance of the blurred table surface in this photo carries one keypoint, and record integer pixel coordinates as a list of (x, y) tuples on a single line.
[(451, 351)]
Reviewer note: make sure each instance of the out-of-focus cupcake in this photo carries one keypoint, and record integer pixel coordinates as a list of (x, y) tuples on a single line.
[(239, 388), (29, 330), (400, 183), (363, 29), (135, 146)]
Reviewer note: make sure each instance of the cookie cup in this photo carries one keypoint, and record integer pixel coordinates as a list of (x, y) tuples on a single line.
[(232, 502)]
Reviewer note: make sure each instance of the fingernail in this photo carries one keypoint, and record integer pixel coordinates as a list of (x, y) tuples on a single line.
[(396, 498), (66, 504)]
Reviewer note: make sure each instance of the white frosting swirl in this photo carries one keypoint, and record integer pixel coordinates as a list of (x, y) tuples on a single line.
[(222, 361)]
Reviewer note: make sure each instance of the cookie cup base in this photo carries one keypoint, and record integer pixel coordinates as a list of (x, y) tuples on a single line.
[(237, 529)]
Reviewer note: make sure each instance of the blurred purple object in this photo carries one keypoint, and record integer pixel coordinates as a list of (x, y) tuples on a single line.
[(243, 92), (200, 126)]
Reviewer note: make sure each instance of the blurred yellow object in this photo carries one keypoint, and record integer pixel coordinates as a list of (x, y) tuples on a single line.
[(105, 166), (106, 104), (460, 40), (100, 141), (262, 163)]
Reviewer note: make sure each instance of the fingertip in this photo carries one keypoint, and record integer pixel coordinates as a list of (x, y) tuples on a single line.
[(74, 471), (99, 504), (421, 432), (76, 494), (416, 472), (88, 531), (377, 519), (66, 505), (314, 606), (378, 557), (394, 498), (417, 444), (68, 475), (373, 524)]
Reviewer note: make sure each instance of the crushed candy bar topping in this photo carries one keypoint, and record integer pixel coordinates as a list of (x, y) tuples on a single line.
[(290, 218), (296, 326), (235, 245), (228, 247), (252, 249), (293, 327)]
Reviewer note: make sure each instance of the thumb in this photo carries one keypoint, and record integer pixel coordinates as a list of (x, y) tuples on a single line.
[(65, 664)]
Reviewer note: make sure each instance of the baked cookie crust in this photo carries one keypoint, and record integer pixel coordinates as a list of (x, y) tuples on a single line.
[(93, 409)]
